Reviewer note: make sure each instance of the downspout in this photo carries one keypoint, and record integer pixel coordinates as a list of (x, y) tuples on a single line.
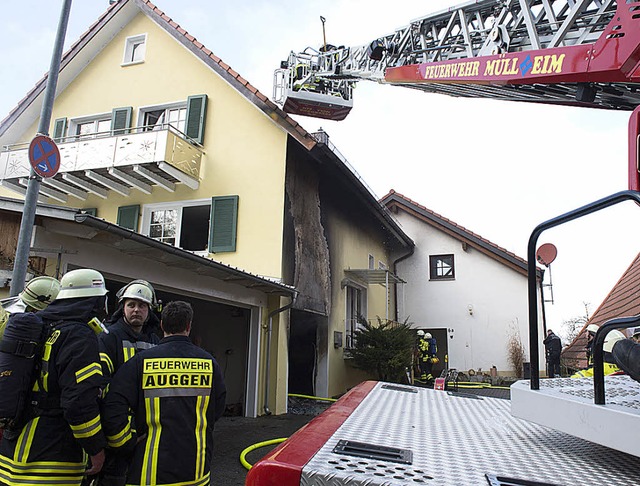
[(395, 285), (266, 409)]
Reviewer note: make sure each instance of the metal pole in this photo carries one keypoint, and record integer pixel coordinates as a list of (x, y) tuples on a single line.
[(33, 187), (324, 35)]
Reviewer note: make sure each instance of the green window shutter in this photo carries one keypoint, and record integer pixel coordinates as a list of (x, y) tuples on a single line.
[(224, 220), (121, 120), (196, 113), (90, 211), (128, 217), (59, 129)]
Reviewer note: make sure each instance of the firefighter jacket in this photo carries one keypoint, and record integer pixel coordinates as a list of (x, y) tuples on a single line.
[(65, 426), (609, 365), (427, 349), (120, 344), (176, 392)]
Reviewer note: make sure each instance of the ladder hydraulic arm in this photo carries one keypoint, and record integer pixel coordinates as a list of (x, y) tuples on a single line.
[(566, 52)]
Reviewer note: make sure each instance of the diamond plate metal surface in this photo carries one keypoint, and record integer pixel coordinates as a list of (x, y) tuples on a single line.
[(567, 405), (620, 390), (456, 440)]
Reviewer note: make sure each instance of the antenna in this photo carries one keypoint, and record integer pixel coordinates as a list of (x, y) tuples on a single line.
[(324, 35), (545, 255)]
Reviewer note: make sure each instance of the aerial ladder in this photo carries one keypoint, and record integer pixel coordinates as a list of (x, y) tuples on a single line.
[(583, 53), (566, 52)]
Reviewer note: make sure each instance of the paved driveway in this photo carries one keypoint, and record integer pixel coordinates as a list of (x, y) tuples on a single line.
[(234, 434)]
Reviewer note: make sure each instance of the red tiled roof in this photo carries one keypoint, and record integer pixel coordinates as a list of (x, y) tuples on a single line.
[(394, 200), (622, 301)]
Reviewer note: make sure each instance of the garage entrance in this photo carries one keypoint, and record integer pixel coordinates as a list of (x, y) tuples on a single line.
[(222, 330)]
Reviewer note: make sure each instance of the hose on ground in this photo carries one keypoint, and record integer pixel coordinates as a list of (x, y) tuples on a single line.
[(296, 395), (255, 446)]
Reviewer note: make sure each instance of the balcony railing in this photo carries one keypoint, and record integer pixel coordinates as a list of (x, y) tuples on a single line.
[(145, 157)]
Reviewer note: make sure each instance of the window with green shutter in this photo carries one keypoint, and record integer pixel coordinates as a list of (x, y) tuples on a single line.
[(59, 129), (224, 219), (196, 114), (128, 217), (121, 120)]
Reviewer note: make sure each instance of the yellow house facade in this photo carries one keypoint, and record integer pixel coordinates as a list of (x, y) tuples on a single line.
[(161, 139)]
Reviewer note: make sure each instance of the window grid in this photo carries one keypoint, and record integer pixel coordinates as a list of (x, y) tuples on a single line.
[(441, 267), (163, 226), (158, 119)]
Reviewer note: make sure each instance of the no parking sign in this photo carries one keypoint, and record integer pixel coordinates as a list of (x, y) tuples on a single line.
[(44, 156)]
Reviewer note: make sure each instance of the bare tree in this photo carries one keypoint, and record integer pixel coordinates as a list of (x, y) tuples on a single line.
[(571, 327)]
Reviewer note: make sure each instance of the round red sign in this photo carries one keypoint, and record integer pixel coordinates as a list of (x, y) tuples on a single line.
[(44, 156)]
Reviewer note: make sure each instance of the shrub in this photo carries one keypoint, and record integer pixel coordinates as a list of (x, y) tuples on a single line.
[(384, 350), (515, 351)]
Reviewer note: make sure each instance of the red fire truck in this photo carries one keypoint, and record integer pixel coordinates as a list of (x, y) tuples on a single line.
[(557, 431)]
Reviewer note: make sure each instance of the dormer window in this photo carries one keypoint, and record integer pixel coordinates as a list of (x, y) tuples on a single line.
[(134, 49)]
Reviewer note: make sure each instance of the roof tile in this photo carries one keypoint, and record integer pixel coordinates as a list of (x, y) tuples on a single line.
[(453, 223), (622, 301)]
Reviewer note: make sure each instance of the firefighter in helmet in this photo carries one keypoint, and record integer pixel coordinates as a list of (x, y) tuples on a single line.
[(38, 293), (64, 424), (592, 329), (427, 350), (610, 365), (132, 329)]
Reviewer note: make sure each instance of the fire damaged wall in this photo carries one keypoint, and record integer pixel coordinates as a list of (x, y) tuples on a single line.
[(311, 274)]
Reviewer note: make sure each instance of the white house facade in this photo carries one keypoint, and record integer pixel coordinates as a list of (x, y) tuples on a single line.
[(469, 293)]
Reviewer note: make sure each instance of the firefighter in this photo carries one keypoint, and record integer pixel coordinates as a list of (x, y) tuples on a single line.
[(65, 424), (176, 392), (610, 365), (37, 295), (592, 329), (132, 330), (553, 350), (427, 350)]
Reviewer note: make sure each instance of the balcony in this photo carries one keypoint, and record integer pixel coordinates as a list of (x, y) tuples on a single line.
[(99, 163)]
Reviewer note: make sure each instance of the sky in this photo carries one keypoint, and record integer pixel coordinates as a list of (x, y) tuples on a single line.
[(497, 168)]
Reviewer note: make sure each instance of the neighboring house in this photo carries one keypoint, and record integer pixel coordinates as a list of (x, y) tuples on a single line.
[(622, 301), (469, 293), (164, 146)]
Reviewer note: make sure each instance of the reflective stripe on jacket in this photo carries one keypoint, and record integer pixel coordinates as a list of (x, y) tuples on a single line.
[(50, 448), (176, 391)]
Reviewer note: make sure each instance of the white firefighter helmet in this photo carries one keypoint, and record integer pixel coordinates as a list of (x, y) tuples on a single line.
[(40, 292), (428, 335), (83, 282), (612, 338), (420, 332), (138, 290), (592, 328)]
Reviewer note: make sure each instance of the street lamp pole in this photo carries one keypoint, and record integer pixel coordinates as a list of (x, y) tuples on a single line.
[(21, 261)]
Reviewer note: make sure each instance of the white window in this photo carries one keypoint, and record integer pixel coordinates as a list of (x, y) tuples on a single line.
[(88, 126), (185, 224), (382, 266), (372, 262), (134, 49), (356, 305), (160, 117)]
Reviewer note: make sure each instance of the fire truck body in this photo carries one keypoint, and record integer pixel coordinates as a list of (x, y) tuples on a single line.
[(387, 434)]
